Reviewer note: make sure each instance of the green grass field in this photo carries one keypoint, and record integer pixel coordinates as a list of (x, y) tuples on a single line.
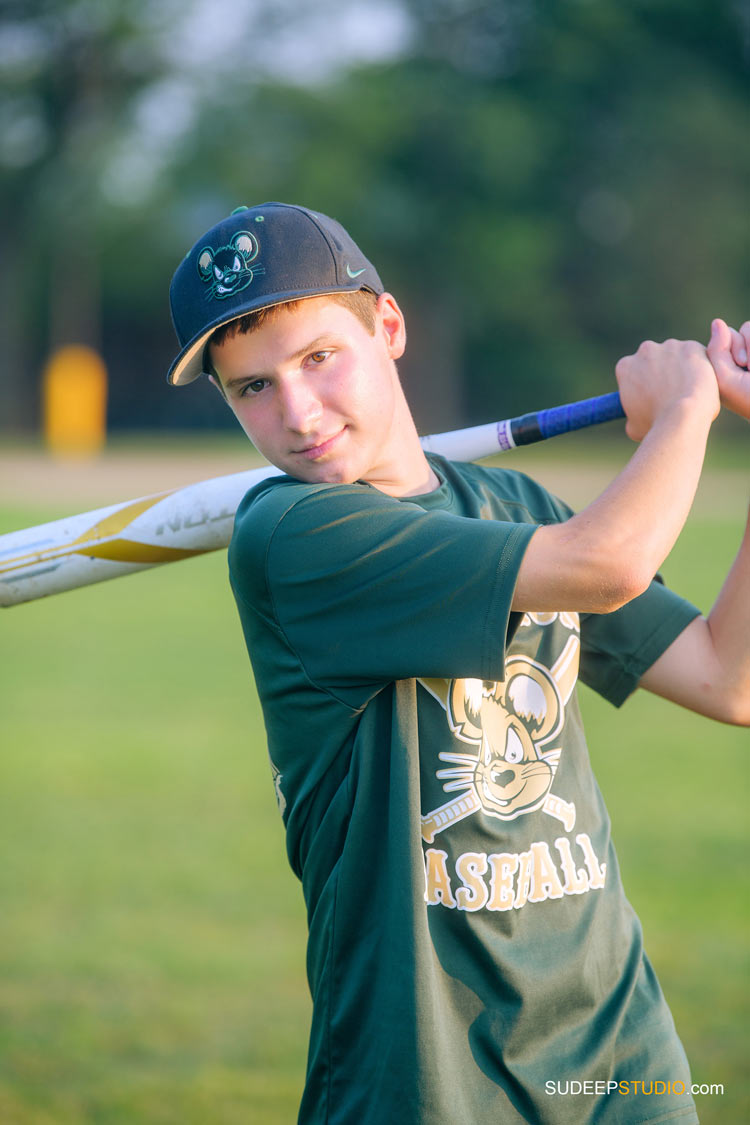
[(152, 936)]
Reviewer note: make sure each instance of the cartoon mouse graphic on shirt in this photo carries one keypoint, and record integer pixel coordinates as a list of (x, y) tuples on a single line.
[(511, 725)]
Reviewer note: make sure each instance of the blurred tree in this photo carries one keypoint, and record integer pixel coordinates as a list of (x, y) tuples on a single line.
[(542, 186), (637, 118), (68, 69), (98, 99)]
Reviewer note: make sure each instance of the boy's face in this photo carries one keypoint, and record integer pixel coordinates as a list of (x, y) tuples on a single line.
[(317, 395)]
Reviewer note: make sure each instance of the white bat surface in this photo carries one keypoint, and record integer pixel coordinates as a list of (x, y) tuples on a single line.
[(166, 527)]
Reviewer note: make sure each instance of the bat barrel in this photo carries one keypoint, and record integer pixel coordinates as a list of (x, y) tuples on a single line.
[(121, 539)]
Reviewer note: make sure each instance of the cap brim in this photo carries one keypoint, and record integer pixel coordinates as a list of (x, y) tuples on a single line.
[(189, 364)]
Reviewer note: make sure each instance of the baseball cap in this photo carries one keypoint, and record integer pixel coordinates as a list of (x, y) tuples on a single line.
[(257, 257)]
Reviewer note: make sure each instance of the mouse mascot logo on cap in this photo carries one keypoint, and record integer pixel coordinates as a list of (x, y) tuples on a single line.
[(228, 270), (510, 724)]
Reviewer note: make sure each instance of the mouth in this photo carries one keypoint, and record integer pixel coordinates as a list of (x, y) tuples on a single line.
[(493, 796), (320, 449)]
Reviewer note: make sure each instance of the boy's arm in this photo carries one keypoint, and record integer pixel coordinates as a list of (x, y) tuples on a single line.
[(707, 668), (608, 553)]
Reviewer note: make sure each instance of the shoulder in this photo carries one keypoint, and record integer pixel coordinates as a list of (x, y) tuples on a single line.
[(285, 507), (525, 500), (267, 501), (271, 500)]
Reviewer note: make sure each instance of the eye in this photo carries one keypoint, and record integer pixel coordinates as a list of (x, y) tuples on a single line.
[(319, 357), (254, 387), (513, 748)]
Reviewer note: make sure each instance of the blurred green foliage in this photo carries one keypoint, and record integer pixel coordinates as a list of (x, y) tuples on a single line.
[(542, 185)]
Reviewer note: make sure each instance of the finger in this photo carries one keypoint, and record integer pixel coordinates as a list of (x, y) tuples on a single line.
[(739, 349), (745, 333), (727, 344), (720, 344)]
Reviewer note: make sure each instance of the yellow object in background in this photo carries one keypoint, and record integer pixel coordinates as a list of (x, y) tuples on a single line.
[(75, 401)]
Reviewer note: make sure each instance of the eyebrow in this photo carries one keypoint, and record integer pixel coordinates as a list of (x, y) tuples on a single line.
[(306, 349)]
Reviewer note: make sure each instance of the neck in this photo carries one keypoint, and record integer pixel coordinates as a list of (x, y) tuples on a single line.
[(404, 470), (421, 479)]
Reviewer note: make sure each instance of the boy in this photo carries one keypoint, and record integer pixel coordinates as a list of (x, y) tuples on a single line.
[(416, 629)]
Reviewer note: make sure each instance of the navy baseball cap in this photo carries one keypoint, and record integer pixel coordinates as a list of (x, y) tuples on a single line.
[(257, 257)]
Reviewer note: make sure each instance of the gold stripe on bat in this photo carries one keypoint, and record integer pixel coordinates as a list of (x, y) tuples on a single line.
[(104, 528), (118, 520), (129, 551)]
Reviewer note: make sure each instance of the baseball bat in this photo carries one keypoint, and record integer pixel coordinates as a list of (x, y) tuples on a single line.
[(168, 526)]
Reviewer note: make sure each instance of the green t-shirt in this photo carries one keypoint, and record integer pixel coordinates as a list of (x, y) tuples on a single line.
[(472, 957)]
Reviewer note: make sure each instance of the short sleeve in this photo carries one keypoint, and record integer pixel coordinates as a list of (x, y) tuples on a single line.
[(617, 648), (368, 588)]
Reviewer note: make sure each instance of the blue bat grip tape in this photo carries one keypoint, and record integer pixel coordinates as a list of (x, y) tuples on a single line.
[(577, 415)]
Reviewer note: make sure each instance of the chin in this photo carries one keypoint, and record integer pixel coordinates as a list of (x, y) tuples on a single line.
[(330, 475), (320, 474)]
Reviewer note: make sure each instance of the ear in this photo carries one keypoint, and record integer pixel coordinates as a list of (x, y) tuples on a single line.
[(464, 703), (205, 261), (246, 244), (390, 320), (532, 695)]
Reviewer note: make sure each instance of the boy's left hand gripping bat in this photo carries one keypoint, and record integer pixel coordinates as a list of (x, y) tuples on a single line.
[(169, 526)]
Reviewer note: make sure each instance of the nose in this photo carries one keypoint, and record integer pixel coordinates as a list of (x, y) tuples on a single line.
[(503, 777), (301, 408)]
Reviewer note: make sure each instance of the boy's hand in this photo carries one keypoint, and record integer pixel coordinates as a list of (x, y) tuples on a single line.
[(660, 377), (728, 351)]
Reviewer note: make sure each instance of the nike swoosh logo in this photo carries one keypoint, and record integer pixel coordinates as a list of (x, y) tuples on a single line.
[(355, 273)]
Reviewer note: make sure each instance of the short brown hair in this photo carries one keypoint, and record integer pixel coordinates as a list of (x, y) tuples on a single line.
[(361, 303)]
